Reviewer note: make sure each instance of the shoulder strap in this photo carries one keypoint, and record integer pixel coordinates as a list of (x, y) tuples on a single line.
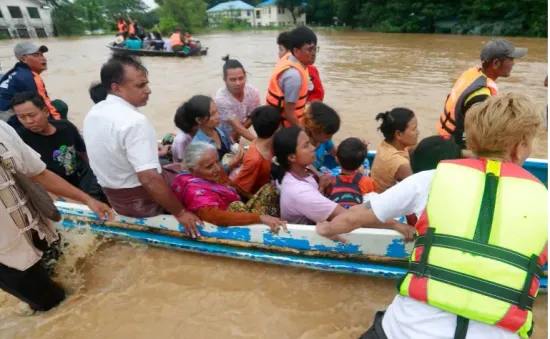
[(357, 178)]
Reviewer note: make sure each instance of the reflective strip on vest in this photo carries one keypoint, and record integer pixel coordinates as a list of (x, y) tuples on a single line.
[(276, 97), (451, 121), (482, 258)]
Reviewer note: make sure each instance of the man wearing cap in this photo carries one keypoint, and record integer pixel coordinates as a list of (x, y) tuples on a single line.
[(25, 76), (475, 85)]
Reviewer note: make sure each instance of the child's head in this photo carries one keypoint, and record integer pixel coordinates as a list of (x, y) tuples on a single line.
[(321, 122), (431, 150), (291, 147), (399, 125), (284, 40), (503, 126), (98, 92), (266, 121), (199, 111), (351, 154)]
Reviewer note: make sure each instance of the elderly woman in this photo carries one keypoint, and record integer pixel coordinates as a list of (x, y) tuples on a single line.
[(481, 236), (204, 188)]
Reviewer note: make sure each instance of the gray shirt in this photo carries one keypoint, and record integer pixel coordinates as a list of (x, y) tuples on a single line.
[(290, 82)]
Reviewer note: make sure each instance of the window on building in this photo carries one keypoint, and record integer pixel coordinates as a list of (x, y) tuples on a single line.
[(33, 12), (15, 12), (23, 33), (258, 14), (5, 33), (41, 32), (247, 13), (1, 15), (269, 10)]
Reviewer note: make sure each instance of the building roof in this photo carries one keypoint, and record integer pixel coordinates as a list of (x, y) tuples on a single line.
[(273, 3), (230, 5)]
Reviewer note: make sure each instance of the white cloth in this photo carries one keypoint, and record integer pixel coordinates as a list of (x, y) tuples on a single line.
[(120, 142), (407, 318)]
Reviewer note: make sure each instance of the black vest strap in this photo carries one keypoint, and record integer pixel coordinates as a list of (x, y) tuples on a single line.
[(461, 327)]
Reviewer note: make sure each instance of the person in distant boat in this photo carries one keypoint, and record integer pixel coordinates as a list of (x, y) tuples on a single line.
[(185, 121), (205, 115), (188, 40), (315, 90), (349, 187), (391, 164), (122, 27), (204, 187), (119, 41), (123, 150), (25, 77), (176, 41), (236, 100), (58, 142), (24, 230), (256, 169), (131, 27), (488, 249), (476, 85), (289, 84)]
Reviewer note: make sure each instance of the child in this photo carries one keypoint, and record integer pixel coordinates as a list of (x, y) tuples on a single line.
[(351, 185), (255, 171), (321, 122)]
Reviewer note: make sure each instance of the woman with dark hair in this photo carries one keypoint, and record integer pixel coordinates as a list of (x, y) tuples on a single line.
[(185, 121), (431, 150), (203, 113), (391, 164), (236, 100), (301, 199)]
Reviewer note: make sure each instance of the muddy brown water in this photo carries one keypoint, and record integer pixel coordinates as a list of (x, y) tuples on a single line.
[(123, 290)]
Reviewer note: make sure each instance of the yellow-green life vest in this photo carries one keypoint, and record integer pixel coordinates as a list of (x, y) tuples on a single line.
[(481, 243)]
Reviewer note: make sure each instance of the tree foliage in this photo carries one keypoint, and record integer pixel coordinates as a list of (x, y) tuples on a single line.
[(185, 14)]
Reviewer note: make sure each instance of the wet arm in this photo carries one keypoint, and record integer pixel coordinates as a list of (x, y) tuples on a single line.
[(56, 185), (219, 217), (349, 220), (242, 129)]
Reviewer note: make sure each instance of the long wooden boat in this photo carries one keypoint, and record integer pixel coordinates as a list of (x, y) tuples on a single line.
[(370, 252), (145, 52)]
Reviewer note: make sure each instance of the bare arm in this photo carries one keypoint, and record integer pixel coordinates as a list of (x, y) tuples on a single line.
[(56, 185), (242, 129), (350, 220), (403, 171), (155, 185), (290, 116)]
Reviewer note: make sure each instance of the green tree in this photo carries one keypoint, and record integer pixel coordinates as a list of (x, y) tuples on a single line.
[(187, 14), (94, 14), (121, 8), (295, 7), (66, 18)]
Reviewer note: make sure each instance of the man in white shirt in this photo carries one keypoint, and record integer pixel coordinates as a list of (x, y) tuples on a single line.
[(122, 147)]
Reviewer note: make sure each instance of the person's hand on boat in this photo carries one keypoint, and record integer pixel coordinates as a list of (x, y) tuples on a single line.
[(406, 230), (189, 220), (322, 228), (102, 210), (275, 224)]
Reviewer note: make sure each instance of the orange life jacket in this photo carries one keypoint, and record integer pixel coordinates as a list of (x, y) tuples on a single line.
[(451, 121), (41, 88), (122, 26), (132, 28), (276, 97), (175, 40)]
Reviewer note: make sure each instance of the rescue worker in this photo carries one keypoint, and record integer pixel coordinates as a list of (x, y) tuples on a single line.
[(289, 84), (475, 267), (25, 77), (475, 85), (176, 42)]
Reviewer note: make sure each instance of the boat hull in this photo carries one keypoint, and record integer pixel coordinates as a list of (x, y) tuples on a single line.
[(143, 52)]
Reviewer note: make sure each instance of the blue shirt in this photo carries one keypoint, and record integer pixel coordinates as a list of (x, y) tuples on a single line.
[(225, 143), (320, 153)]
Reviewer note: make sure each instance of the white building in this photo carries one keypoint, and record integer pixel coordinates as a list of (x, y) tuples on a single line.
[(25, 19), (231, 10), (268, 14)]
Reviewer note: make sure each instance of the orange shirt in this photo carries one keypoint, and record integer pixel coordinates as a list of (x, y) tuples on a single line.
[(255, 171), (366, 184), (42, 91)]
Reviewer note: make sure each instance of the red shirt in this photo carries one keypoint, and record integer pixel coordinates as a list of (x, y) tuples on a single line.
[(316, 90)]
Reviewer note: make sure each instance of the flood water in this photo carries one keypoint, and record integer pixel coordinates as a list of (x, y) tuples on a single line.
[(121, 290)]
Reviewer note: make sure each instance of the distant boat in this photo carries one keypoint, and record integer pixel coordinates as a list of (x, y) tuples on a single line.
[(146, 52)]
